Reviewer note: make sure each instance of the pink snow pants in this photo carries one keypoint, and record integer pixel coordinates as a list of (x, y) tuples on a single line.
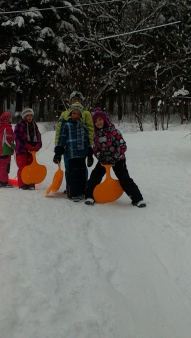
[(4, 168)]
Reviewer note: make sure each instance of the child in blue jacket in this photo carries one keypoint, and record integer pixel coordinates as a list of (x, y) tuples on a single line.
[(73, 141)]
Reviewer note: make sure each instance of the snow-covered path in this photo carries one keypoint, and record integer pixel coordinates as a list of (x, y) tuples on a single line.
[(107, 271)]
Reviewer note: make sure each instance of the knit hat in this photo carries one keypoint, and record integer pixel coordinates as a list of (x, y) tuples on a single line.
[(76, 94), (6, 116), (27, 111), (77, 106), (99, 113)]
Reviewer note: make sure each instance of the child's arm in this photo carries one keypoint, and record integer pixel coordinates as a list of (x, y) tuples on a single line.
[(61, 143), (20, 134), (120, 145), (87, 119), (8, 137), (38, 145)]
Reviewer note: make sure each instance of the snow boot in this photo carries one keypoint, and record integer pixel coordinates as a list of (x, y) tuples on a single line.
[(89, 201), (140, 204)]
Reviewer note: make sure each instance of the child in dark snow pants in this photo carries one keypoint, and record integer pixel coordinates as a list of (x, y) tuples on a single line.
[(73, 141), (109, 148)]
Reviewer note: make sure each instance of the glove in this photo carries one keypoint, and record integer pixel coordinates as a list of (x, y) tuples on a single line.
[(57, 158), (108, 160), (90, 161), (36, 148), (101, 158), (59, 150), (29, 147)]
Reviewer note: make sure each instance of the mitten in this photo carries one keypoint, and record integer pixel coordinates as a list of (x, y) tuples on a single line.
[(59, 150), (108, 160), (101, 159), (36, 148), (29, 147), (57, 158), (111, 160)]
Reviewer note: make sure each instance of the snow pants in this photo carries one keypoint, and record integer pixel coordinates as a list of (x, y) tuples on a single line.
[(76, 181), (5, 162), (126, 182), (22, 160), (67, 171)]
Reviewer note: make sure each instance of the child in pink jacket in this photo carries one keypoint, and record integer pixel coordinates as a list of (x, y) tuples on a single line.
[(109, 148), (6, 148)]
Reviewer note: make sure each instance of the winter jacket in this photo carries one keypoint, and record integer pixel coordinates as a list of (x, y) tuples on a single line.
[(6, 138), (26, 133), (86, 119), (74, 138), (109, 142)]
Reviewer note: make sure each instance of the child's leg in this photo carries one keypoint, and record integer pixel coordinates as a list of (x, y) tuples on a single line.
[(4, 168), (66, 170), (22, 160), (128, 185), (76, 177), (82, 175), (95, 178)]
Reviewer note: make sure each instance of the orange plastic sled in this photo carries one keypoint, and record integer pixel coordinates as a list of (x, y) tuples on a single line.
[(33, 173), (56, 182), (109, 190)]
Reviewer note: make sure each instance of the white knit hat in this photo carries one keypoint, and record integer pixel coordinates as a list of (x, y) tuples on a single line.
[(27, 111)]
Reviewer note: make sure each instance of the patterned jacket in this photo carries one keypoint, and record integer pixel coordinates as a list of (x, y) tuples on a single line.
[(74, 138), (86, 119), (109, 142), (22, 131), (6, 136)]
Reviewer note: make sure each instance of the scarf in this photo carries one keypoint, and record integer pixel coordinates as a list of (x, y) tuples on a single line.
[(28, 135)]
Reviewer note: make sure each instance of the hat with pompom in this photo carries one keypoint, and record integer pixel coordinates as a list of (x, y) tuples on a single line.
[(6, 116), (77, 106), (98, 112), (27, 111)]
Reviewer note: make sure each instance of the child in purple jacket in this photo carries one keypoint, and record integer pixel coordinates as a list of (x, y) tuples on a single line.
[(27, 138), (109, 148)]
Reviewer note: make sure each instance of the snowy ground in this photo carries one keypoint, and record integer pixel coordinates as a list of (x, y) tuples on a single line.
[(108, 271)]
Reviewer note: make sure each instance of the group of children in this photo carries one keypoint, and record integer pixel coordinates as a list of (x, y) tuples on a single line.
[(76, 130)]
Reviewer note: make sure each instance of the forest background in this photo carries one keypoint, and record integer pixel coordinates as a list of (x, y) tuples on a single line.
[(105, 49)]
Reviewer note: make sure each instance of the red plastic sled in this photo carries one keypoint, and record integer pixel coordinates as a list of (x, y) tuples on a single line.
[(109, 190), (13, 181)]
